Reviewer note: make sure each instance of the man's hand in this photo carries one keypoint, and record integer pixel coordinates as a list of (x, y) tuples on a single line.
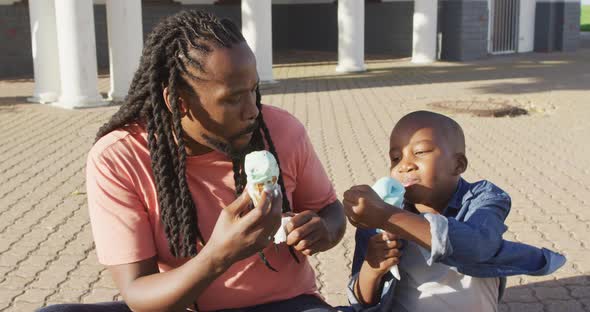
[(308, 233), (241, 231), (382, 253), (364, 208)]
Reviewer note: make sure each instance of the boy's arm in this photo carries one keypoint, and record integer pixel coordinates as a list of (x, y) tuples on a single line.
[(365, 209), (382, 286), (367, 288), (409, 226), (362, 237), (472, 243), (474, 240), (475, 245)]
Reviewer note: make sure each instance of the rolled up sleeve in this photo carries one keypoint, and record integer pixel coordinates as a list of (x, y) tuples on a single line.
[(439, 231), (479, 237)]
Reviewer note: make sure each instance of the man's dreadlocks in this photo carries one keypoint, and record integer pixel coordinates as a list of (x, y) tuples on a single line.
[(164, 60)]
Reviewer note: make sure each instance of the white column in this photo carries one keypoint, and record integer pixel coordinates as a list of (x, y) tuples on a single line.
[(424, 35), (351, 36), (526, 31), (44, 49), (125, 34), (257, 29), (77, 54)]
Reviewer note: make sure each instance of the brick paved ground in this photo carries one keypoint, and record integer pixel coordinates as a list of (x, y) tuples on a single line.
[(46, 250)]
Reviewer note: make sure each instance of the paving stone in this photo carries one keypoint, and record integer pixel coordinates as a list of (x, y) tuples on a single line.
[(87, 270), (4, 305), (34, 295), (48, 280), (9, 259), (519, 294), (29, 271), (14, 282), (24, 306), (549, 293), (580, 291), (100, 295), (105, 282), (79, 281), (563, 306), (65, 294), (525, 307), (7, 295)]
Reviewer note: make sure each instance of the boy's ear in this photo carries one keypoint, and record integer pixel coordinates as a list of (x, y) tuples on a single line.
[(460, 163), (182, 105)]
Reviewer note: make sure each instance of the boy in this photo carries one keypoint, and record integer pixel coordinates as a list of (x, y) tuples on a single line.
[(454, 256)]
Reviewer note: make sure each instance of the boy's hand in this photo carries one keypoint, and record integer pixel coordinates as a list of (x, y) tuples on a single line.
[(383, 253), (364, 208)]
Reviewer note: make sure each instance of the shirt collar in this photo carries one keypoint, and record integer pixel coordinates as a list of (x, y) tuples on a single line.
[(456, 201)]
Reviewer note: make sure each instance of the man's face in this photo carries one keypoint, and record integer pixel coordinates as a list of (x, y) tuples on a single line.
[(222, 109), (423, 162)]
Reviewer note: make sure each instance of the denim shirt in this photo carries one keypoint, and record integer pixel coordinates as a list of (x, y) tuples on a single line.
[(468, 237)]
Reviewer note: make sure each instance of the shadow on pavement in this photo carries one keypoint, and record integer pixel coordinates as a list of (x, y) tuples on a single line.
[(515, 74)]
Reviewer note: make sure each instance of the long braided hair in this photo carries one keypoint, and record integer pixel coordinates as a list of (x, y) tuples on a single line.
[(164, 59)]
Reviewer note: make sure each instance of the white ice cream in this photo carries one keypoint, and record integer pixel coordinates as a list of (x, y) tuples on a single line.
[(262, 172)]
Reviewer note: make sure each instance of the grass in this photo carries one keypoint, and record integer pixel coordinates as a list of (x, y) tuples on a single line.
[(585, 18)]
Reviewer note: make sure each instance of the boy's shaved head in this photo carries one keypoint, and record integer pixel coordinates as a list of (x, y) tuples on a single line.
[(427, 153), (450, 131)]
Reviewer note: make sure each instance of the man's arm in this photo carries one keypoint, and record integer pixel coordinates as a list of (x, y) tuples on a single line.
[(145, 289), (238, 233), (333, 217), (310, 232)]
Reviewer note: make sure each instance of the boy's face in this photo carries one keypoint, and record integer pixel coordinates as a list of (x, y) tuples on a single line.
[(424, 162)]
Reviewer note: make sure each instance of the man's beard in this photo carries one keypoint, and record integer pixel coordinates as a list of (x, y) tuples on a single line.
[(226, 147)]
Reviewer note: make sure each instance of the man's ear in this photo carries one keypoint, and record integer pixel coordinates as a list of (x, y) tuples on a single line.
[(166, 95), (182, 105), (460, 163)]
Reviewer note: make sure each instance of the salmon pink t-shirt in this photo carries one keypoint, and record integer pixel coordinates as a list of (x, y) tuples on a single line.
[(125, 213)]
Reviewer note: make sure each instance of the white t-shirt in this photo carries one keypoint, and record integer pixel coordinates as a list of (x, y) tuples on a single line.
[(440, 287)]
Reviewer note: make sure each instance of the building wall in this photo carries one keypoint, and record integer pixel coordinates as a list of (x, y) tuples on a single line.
[(306, 26), (16, 58), (557, 26), (388, 27), (15, 35), (463, 27), (571, 25)]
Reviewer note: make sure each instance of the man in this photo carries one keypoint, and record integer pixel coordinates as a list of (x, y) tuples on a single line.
[(165, 172)]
